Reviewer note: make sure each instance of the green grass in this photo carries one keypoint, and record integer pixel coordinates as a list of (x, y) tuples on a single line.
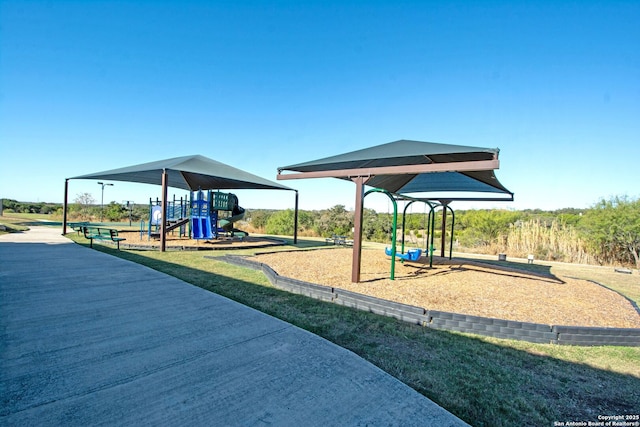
[(13, 224), (484, 381)]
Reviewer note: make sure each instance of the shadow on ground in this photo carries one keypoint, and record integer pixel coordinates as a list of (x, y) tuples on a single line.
[(483, 381)]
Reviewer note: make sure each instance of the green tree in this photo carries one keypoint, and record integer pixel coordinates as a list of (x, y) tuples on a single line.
[(336, 220), (258, 218), (48, 208), (9, 205), (375, 227), (280, 223), (306, 223), (115, 212), (140, 212), (612, 229), (483, 227)]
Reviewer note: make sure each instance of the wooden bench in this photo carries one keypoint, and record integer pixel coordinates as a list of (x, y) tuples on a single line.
[(99, 233)]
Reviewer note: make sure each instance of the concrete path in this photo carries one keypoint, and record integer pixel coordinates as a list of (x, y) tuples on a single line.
[(89, 339)]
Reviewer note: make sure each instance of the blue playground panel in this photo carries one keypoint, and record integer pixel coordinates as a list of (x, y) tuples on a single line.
[(201, 227)]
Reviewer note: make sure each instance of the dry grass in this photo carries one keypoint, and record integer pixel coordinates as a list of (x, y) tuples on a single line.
[(463, 286)]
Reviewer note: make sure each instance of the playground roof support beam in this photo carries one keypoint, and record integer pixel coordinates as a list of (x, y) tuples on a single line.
[(357, 229), (396, 170), (443, 229), (64, 206), (163, 226), (295, 221)]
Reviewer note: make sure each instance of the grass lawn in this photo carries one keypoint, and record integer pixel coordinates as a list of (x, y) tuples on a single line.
[(484, 381)]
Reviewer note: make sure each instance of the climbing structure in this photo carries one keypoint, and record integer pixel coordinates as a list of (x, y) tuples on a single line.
[(177, 216), (213, 214), (200, 216)]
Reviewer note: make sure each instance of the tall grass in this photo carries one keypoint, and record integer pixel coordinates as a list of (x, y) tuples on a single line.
[(546, 241)]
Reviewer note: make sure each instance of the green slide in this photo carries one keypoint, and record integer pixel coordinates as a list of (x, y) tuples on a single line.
[(227, 223)]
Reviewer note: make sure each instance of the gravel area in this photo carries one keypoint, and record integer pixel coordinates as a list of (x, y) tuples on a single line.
[(463, 286)]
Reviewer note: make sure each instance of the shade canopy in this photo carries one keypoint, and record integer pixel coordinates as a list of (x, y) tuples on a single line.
[(406, 167), (188, 173)]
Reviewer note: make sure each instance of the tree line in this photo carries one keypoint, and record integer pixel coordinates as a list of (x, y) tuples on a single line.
[(606, 233), (83, 208)]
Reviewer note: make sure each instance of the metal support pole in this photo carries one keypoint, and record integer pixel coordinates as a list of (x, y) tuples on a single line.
[(453, 222), (404, 215), (394, 229), (295, 222), (443, 238), (102, 200), (163, 227), (432, 216), (64, 207)]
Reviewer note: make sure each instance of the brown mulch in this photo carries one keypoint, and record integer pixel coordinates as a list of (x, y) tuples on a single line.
[(463, 286)]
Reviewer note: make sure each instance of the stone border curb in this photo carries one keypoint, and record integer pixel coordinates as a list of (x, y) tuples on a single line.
[(497, 328)]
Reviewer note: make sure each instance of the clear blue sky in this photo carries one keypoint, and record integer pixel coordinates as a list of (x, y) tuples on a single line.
[(87, 86)]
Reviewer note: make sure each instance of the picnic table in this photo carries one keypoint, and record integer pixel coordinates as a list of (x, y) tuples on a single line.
[(101, 233), (338, 240)]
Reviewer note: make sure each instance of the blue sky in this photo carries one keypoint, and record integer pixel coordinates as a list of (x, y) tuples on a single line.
[(87, 86)]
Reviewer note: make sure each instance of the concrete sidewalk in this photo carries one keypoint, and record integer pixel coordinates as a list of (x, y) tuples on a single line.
[(90, 339)]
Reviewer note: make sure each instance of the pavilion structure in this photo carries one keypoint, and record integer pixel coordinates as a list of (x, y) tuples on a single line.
[(425, 170), (191, 173)]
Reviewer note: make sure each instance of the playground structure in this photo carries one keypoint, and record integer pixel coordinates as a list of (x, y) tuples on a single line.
[(206, 222), (407, 167), (414, 254), (177, 216), (198, 217)]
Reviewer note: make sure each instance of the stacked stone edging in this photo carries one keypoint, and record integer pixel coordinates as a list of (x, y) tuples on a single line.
[(497, 328), (404, 312), (579, 335)]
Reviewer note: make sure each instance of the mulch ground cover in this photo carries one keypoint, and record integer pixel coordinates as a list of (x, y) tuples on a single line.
[(458, 286), (463, 286)]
